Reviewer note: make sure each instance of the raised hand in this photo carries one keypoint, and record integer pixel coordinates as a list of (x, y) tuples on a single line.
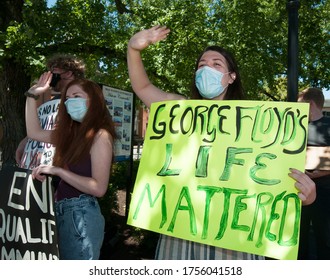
[(144, 38), (42, 85)]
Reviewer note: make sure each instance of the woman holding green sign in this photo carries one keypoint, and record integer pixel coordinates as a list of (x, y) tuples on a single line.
[(216, 78)]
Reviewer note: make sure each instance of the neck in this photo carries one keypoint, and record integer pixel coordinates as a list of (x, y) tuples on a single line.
[(316, 116)]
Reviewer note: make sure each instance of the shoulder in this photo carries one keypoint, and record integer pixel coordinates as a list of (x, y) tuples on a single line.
[(103, 136), (102, 143)]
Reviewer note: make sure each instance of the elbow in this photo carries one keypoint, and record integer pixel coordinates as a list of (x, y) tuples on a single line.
[(29, 134), (100, 192)]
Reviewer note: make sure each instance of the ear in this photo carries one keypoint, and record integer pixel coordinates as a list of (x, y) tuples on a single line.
[(67, 75), (312, 103), (232, 77)]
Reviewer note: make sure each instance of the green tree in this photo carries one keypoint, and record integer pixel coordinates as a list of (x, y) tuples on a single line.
[(254, 30)]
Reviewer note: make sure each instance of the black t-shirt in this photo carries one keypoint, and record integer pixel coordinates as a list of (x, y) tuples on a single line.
[(319, 135), (319, 132)]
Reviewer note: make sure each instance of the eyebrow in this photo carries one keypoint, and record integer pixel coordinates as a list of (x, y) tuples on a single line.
[(213, 59)]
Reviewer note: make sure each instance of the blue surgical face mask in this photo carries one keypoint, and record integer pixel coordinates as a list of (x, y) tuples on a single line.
[(208, 82), (76, 108)]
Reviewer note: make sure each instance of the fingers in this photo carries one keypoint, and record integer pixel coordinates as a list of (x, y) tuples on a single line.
[(37, 173), (305, 186), (41, 178), (159, 28), (146, 37), (160, 33), (302, 197), (45, 79), (42, 85)]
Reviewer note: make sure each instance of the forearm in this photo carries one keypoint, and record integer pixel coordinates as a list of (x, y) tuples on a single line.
[(33, 127), (31, 118), (20, 150), (138, 76), (141, 84), (87, 185)]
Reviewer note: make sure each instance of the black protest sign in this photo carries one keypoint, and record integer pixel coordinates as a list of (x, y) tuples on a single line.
[(27, 218)]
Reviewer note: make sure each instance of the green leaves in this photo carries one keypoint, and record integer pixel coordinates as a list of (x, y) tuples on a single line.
[(255, 31)]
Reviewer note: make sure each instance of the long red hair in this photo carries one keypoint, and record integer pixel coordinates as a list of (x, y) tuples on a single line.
[(73, 140)]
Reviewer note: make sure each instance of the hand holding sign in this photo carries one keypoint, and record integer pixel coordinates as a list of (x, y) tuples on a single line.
[(41, 171), (306, 186)]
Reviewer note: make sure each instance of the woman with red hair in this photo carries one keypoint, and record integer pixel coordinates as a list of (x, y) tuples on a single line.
[(83, 136)]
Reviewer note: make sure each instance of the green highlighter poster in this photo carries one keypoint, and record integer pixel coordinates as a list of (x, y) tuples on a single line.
[(216, 172)]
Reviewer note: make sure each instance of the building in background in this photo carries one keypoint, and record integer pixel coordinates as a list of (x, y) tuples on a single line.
[(140, 128), (326, 108)]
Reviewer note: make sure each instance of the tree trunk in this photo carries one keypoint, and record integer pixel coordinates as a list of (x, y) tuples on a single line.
[(12, 102), (13, 83)]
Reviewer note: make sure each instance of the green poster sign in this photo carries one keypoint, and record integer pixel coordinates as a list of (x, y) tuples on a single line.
[(216, 172)]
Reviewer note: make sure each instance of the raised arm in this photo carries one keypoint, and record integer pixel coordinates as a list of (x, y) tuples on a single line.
[(140, 82), (33, 128)]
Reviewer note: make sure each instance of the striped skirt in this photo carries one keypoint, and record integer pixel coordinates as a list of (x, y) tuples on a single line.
[(171, 248)]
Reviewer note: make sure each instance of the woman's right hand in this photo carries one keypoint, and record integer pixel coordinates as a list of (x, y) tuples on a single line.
[(41, 171), (144, 38)]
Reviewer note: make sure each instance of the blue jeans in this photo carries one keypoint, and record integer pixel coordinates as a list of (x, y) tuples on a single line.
[(80, 228)]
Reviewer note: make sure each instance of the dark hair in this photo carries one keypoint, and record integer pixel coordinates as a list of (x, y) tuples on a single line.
[(234, 90), (312, 94), (67, 62), (73, 140)]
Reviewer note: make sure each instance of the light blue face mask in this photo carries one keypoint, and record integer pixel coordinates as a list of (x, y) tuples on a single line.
[(208, 82), (76, 107)]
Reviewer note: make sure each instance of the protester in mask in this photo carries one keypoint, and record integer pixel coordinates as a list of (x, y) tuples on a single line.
[(83, 136), (64, 69), (314, 241), (216, 78)]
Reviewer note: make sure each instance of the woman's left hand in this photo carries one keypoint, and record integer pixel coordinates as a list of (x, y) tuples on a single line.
[(42, 85), (305, 186)]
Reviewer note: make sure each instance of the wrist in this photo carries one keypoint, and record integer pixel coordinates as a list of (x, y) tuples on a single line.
[(56, 171), (28, 94)]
